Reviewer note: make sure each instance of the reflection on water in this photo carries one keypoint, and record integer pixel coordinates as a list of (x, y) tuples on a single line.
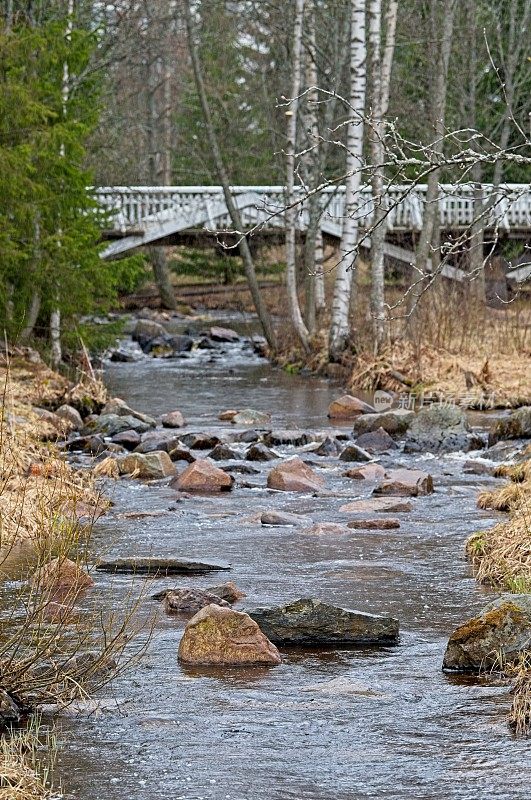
[(327, 725)]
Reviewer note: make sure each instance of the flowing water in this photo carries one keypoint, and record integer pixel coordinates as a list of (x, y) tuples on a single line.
[(325, 725)]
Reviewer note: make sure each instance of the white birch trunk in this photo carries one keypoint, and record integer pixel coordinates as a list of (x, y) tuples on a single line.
[(291, 212), (320, 297), (339, 327), (380, 76)]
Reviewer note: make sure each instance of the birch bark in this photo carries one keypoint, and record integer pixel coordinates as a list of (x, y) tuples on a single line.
[(339, 327), (380, 77), (291, 211)]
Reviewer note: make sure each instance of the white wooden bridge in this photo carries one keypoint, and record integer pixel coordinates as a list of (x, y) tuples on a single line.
[(142, 215)]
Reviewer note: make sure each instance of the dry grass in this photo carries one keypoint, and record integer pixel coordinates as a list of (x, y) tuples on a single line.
[(23, 775), (501, 556), (520, 713)]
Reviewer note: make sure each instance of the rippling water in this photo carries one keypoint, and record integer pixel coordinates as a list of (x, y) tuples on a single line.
[(326, 725)]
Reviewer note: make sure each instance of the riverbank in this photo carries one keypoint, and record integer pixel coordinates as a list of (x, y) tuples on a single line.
[(477, 356), (48, 654)]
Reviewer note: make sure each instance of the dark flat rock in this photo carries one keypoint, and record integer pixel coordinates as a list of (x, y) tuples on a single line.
[(311, 623), (155, 565)]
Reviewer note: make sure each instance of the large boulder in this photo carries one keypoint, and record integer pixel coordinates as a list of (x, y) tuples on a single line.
[(119, 407), (515, 426), (395, 422), (348, 407), (497, 635), (221, 636), (311, 623), (325, 529), (111, 424), (440, 429), (186, 601), (203, 476), (405, 483), (248, 416), (150, 466), (378, 441), (294, 475)]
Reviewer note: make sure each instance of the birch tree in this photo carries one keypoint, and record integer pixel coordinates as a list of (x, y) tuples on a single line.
[(291, 209), (339, 327), (380, 78)]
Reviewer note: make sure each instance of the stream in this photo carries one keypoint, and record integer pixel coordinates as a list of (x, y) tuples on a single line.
[(331, 724)]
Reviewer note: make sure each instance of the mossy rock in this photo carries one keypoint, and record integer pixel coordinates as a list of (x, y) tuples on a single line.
[(493, 638)]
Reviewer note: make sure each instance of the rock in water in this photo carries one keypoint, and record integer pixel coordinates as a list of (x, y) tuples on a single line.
[(185, 601), (153, 565), (173, 419), (286, 437), (259, 452), (354, 453), (152, 466), (348, 407), (200, 441), (374, 524), (248, 416), (498, 634), (127, 439), (218, 334), (516, 426), (405, 483), (61, 577), (325, 528), (222, 452), (328, 447), (387, 504), (312, 623), (282, 518), (119, 407), (203, 476), (221, 636), (394, 422), (377, 441), (440, 429), (294, 476), (370, 472), (227, 591), (226, 416)]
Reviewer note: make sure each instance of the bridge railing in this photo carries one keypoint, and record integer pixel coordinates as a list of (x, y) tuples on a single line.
[(509, 205)]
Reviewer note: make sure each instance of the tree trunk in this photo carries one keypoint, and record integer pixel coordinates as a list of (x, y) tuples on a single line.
[(55, 338), (320, 296), (33, 314), (311, 163), (159, 145), (380, 85), (339, 328), (438, 111), (291, 211), (243, 246)]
